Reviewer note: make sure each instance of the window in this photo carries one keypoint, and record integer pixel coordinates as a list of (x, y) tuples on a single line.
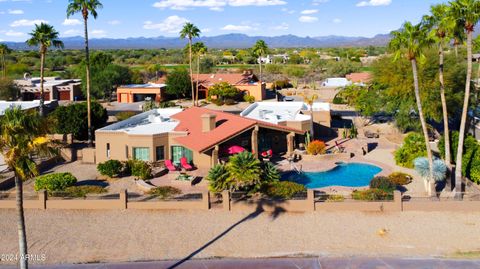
[(160, 152), (126, 152), (178, 152), (142, 154), (108, 150)]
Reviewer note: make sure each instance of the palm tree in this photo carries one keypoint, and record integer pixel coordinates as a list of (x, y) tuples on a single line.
[(244, 170), (44, 36), (198, 49), (190, 31), (259, 49), (309, 101), (86, 7), (441, 25), (410, 41), (22, 135), (467, 14), (4, 50)]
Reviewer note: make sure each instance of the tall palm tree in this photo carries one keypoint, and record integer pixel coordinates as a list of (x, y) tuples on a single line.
[(86, 7), (4, 50), (22, 135), (441, 26), (467, 14), (410, 41), (309, 100), (198, 49), (44, 36), (190, 31), (259, 49)]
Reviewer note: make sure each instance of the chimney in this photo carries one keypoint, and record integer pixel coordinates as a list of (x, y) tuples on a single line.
[(208, 122)]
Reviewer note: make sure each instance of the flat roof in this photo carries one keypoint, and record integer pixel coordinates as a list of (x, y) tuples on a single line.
[(4, 105), (146, 85), (276, 112), (156, 121)]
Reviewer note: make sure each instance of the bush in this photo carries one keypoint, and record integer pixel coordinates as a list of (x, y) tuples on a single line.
[(54, 182), (316, 147), (372, 195), (382, 183), (78, 191), (400, 179), (121, 116), (283, 189), (138, 168), (218, 178), (110, 168), (412, 148), (249, 99), (164, 192), (335, 198), (229, 102)]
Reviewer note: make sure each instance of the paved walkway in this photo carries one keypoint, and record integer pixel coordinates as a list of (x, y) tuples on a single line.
[(283, 263)]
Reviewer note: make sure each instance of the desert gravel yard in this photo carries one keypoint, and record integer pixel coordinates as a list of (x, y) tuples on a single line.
[(128, 235)]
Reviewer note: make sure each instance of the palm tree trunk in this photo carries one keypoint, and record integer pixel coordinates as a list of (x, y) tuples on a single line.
[(198, 72), (424, 126), (22, 235), (261, 74), (87, 64), (461, 135), (191, 70), (444, 108), (42, 97)]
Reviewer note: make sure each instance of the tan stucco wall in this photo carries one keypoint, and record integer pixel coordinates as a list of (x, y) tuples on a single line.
[(299, 125), (257, 91), (131, 91)]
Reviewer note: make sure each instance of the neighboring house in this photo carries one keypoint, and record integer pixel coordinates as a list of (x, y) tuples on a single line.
[(199, 134), (25, 105), (265, 60), (336, 82), (362, 78), (274, 59), (290, 114), (246, 82), (138, 92), (54, 89)]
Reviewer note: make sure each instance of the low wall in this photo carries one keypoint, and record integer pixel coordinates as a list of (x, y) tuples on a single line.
[(270, 205)]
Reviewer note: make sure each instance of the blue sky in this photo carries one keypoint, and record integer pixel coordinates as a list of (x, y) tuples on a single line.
[(148, 18)]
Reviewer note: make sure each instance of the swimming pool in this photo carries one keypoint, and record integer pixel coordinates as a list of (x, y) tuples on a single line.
[(344, 174)]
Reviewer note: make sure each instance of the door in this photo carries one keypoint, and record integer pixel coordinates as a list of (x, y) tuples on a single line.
[(142, 154), (123, 98), (178, 152), (64, 95)]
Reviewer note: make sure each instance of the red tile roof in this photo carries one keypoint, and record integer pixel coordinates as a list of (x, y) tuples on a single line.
[(208, 80), (363, 77), (228, 126)]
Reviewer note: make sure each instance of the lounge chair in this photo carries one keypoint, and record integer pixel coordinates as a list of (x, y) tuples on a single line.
[(170, 165), (340, 148), (185, 164)]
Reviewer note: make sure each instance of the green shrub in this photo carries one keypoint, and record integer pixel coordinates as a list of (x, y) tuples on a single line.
[(249, 99), (335, 198), (400, 179), (283, 189), (164, 192), (412, 148), (138, 168), (338, 100), (372, 195), (382, 183), (121, 116), (79, 191), (316, 147), (110, 168), (218, 178), (54, 182), (229, 102), (167, 104), (469, 144)]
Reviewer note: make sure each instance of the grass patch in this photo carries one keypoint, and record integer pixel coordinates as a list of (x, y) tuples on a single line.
[(164, 192), (475, 254), (79, 191)]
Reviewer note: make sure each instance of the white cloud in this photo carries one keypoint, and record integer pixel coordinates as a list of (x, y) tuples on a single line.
[(205, 30), (318, 2), (374, 3), (309, 11), (14, 33), (282, 27), (307, 19), (289, 11), (337, 20), (172, 24), (114, 22), (22, 23), (71, 32), (99, 33), (215, 5), (71, 22), (237, 28), (15, 11)]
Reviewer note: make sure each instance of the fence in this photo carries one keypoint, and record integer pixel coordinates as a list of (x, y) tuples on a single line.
[(309, 201)]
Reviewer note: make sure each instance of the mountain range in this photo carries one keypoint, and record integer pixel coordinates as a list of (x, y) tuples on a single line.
[(219, 42)]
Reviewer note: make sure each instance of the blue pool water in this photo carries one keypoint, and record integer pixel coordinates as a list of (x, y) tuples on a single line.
[(344, 174)]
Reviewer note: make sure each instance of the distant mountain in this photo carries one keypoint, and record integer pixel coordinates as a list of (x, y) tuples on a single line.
[(221, 41)]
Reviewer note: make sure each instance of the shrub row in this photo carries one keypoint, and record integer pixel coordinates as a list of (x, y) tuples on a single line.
[(115, 168), (54, 182)]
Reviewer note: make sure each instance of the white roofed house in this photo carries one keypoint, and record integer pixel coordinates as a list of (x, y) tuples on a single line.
[(54, 89), (336, 82)]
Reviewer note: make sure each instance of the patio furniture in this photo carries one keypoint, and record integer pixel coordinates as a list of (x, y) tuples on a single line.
[(184, 163), (170, 166), (266, 155), (340, 148)]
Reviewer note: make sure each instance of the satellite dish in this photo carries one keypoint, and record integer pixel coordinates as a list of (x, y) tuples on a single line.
[(27, 76)]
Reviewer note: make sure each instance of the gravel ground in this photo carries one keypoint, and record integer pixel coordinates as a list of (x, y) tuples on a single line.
[(130, 235)]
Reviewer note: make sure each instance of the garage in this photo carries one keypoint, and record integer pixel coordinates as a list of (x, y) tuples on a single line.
[(64, 95)]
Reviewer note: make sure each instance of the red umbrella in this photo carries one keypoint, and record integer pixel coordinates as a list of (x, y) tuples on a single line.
[(235, 150)]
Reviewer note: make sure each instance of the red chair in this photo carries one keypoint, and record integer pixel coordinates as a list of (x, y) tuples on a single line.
[(185, 164), (170, 166)]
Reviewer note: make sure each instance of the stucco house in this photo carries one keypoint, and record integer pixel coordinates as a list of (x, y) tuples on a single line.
[(246, 82), (55, 88), (138, 92)]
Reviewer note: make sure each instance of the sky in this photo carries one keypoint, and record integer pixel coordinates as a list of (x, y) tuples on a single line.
[(150, 18)]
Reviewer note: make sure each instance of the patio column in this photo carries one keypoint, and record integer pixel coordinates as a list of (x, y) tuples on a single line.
[(255, 142), (215, 155), (290, 143)]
